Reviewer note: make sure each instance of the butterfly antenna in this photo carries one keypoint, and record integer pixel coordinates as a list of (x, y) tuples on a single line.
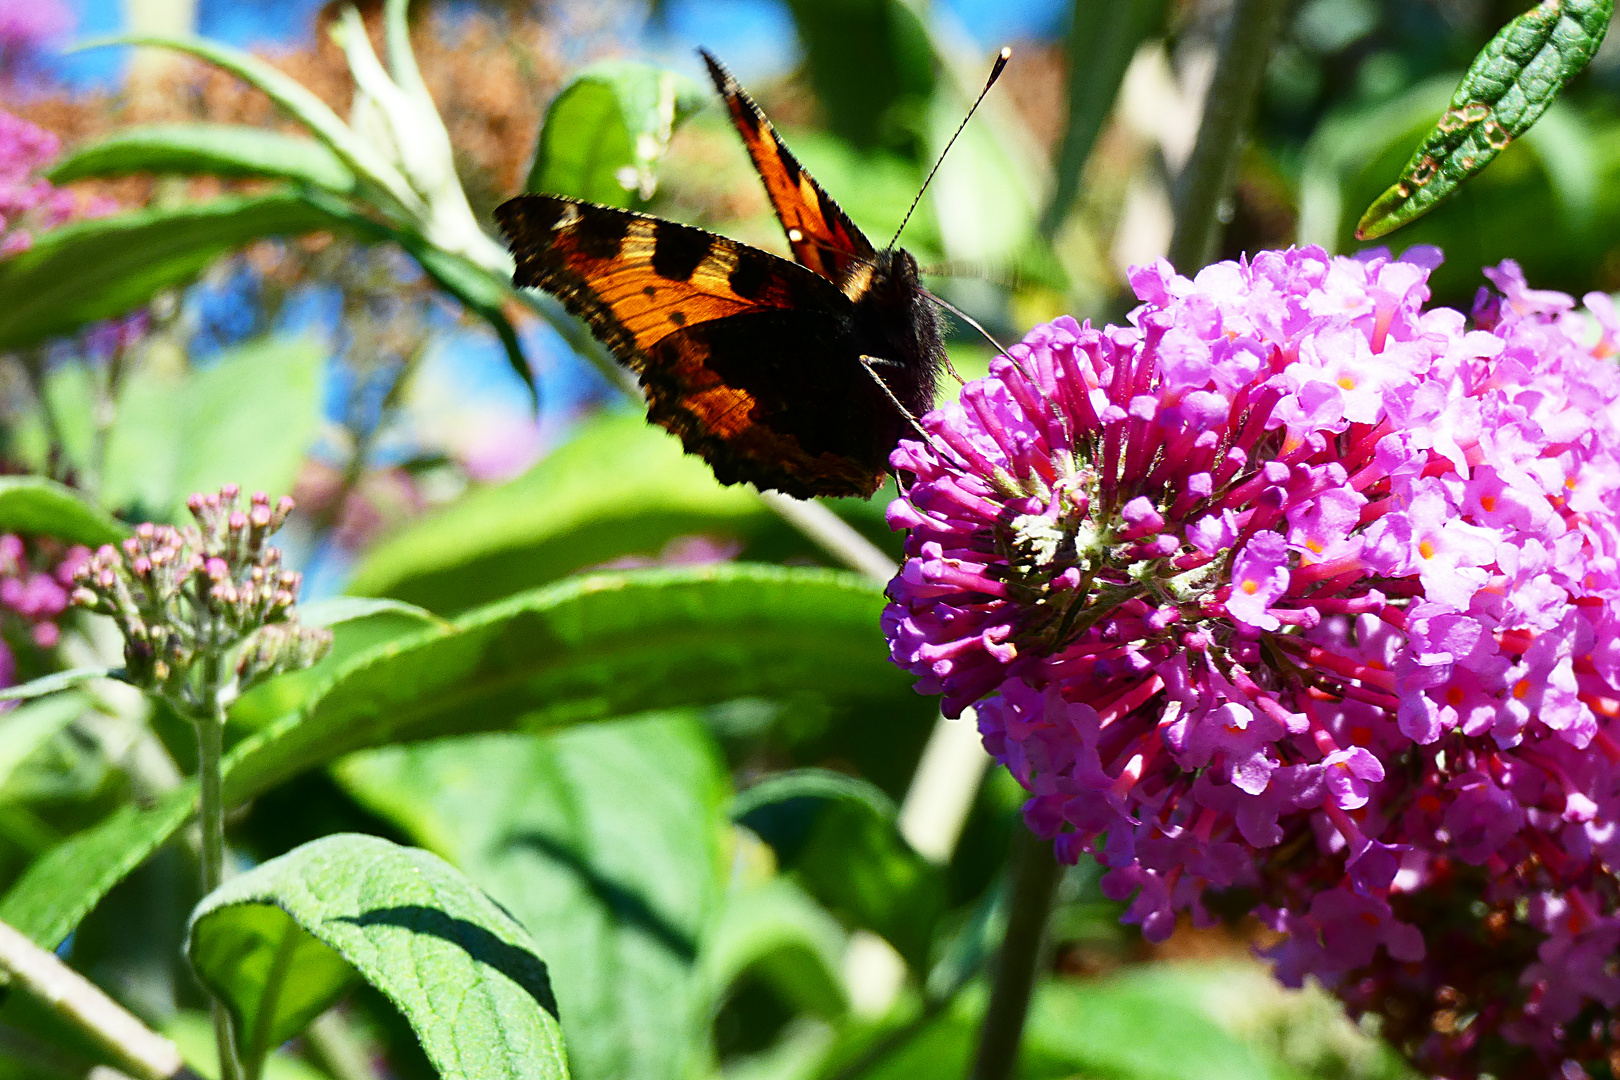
[(965, 317), (940, 448), (995, 73)]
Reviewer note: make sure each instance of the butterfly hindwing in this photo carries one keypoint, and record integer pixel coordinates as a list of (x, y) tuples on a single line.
[(820, 234), (754, 361)]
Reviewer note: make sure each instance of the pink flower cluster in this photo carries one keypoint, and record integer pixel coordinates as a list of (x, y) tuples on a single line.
[(33, 599), (28, 202), (1295, 587)]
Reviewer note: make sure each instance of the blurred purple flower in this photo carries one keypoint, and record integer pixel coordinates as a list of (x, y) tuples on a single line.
[(33, 599), (1291, 559), (28, 29)]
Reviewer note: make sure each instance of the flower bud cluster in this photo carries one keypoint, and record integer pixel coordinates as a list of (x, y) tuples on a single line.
[(1297, 591), (187, 599)]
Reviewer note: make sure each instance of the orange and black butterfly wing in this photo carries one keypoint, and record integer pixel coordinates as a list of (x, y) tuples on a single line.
[(819, 232), (753, 361)]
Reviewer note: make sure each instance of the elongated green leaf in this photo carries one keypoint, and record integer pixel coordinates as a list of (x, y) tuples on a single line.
[(1507, 87), (869, 61), (247, 419), (606, 131), (617, 891), (358, 624), (773, 929), (341, 609), (53, 683), (1102, 40), (103, 267), (838, 836), (35, 505), (620, 487), (212, 149), (456, 965), (61, 886), (27, 727), (592, 648), (299, 102), (586, 649)]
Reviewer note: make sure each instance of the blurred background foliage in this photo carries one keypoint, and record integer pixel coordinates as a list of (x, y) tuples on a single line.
[(286, 341)]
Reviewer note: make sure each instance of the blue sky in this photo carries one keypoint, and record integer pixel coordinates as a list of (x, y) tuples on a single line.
[(755, 36)]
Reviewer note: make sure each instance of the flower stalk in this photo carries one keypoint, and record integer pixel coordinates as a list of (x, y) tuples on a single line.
[(206, 612), (1035, 875), (1206, 182)]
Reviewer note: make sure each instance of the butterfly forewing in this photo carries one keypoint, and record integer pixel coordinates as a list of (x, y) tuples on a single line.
[(732, 344), (819, 232)]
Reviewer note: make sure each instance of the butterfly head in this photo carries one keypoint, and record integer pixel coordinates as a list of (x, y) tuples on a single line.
[(889, 277)]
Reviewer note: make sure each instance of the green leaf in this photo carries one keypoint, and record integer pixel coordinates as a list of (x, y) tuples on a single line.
[(27, 727), (616, 890), (1126, 1028), (35, 505), (592, 648), (297, 100), (212, 149), (1510, 83), (772, 928), (358, 625), (341, 609), (457, 966), (872, 67), (585, 649), (605, 132), (60, 887), (53, 683), (1146, 1023), (274, 974), (620, 487), (247, 419), (838, 836), (104, 267), (1102, 39)]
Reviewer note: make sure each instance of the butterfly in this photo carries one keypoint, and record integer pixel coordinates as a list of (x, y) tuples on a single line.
[(795, 375)]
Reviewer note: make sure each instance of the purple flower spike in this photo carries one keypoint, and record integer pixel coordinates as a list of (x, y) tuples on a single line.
[(1296, 585)]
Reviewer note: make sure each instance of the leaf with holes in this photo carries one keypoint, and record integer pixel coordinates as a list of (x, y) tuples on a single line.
[(1508, 86), (272, 943)]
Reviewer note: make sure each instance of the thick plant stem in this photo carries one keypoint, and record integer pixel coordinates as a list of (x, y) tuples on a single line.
[(1035, 878), (140, 1051), (1207, 181), (210, 749)]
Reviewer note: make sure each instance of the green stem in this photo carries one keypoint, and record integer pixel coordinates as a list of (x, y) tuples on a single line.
[(1035, 879), (210, 749), (1207, 181)]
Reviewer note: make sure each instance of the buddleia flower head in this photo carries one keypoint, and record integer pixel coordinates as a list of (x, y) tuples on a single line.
[(1297, 585)]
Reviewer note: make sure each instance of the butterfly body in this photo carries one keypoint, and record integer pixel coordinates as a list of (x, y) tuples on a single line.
[(767, 368)]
